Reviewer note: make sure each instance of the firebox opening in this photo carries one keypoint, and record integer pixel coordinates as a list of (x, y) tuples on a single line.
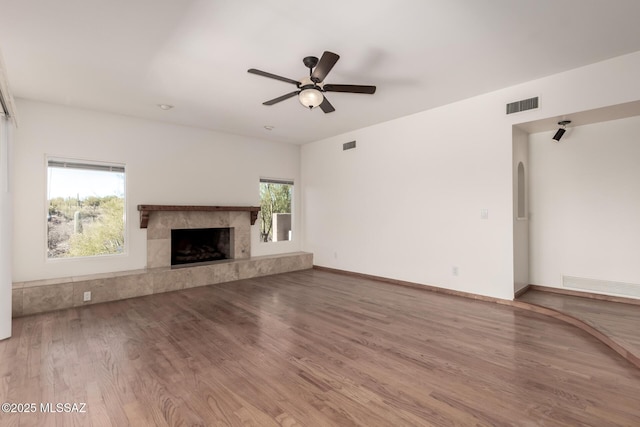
[(197, 245)]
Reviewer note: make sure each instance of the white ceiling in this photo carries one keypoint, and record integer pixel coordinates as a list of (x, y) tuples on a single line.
[(127, 56)]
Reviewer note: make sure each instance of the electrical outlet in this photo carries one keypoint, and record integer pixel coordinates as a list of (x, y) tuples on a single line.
[(454, 270), (87, 296)]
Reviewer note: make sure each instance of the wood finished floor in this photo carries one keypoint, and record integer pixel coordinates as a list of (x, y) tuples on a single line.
[(313, 348), (618, 321)]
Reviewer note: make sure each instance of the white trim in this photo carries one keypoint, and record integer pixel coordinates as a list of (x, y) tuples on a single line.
[(102, 167), (6, 233), (6, 99)]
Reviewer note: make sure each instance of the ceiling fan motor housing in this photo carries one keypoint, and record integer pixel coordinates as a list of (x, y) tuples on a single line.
[(310, 61)]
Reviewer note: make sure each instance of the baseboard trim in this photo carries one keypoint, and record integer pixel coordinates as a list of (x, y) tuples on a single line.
[(521, 292), (414, 285)]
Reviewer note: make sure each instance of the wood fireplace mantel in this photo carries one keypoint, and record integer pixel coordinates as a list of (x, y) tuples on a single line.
[(145, 210)]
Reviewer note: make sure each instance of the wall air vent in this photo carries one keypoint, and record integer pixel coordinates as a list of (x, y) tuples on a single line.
[(524, 105), (348, 145)]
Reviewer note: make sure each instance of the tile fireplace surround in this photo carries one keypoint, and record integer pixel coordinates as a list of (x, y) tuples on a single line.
[(55, 294)]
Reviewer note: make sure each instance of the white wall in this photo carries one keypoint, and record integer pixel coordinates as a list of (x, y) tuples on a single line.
[(5, 229), (406, 202), (165, 164), (585, 203)]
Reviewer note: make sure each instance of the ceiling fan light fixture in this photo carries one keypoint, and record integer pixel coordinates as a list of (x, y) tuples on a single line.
[(310, 90), (310, 98)]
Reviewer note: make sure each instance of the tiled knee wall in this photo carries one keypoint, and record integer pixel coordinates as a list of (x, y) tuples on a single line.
[(48, 295)]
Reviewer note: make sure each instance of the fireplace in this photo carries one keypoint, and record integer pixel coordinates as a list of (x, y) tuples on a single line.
[(200, 245), (159, 220)]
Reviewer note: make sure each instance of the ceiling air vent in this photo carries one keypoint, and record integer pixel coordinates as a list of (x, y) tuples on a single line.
[(524, 105), (348, 145)]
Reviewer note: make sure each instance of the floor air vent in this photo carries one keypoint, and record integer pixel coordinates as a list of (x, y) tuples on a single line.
[(602, 286), (524, 105)]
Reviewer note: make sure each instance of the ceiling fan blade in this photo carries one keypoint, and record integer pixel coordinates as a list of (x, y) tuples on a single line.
[(350, 89), (273, 76), (281, 98), (325, 65), (326, 106)]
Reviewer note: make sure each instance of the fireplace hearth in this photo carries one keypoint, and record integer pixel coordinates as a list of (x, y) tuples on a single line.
[(200, 245)]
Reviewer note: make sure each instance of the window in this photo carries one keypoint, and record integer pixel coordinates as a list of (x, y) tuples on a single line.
[(275, 210), (86, 209)]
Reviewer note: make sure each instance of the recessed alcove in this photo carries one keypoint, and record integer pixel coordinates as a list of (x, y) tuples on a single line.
[(521, 192)]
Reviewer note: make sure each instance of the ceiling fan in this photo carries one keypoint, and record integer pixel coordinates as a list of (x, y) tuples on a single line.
[(311, 89)]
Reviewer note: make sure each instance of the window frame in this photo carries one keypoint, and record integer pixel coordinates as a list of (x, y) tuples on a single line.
[(285, 181), (84, 164)]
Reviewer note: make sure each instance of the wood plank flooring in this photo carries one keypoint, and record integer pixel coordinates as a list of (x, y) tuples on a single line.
[(620, 322), (312, 348)]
